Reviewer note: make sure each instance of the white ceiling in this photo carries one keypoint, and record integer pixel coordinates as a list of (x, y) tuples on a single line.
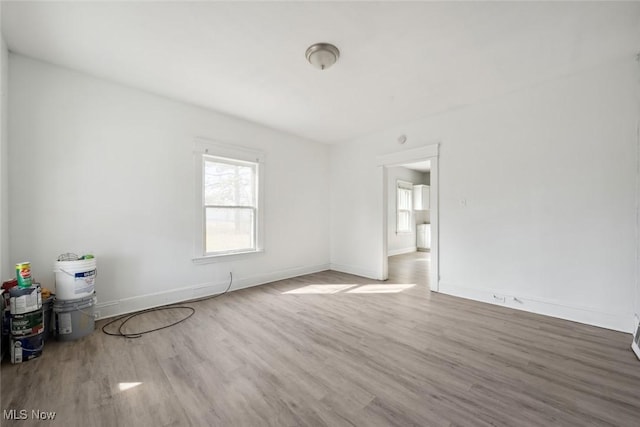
[(424, 166), (399, 61)]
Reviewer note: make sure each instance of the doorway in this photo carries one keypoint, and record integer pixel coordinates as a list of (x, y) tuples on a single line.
[(423, 159)]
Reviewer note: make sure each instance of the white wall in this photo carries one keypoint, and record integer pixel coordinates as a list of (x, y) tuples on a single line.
[(403, 242), (6, 272), (104, 168), (548, 175)]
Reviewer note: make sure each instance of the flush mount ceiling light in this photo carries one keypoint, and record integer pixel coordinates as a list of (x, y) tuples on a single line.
[(322, 55)]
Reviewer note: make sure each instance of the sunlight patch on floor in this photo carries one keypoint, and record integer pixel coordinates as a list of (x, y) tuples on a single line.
[(320, 289), (390, 288), (127, 386), (380, 289)]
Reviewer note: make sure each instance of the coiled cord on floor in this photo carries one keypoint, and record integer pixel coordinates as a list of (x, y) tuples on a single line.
[(127, 317)]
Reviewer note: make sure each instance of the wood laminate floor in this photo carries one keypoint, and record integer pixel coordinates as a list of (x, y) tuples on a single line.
[(332, 349)]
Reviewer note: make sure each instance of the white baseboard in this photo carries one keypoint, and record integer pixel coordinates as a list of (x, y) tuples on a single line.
[(356, 271), (402, 251), (261, 279), (617, 321), (142, 302)]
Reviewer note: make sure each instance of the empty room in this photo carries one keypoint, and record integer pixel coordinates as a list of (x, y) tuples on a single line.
[(326, 213)]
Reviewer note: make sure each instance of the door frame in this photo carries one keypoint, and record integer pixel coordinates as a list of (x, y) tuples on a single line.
[(429, 152)]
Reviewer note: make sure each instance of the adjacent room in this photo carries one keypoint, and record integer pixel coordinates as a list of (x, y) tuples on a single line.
[(320, 213)]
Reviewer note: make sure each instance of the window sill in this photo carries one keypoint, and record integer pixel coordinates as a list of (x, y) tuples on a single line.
[(225, 257)]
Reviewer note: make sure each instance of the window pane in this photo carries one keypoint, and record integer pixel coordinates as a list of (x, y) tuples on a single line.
[(227, 184), (404, 199), (404, 221), (229, 229)]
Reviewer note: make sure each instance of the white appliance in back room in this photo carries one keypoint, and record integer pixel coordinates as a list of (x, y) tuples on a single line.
[(423, 237), (421, 202)]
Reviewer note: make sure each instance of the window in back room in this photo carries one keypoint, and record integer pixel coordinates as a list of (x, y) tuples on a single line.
[(404, 204)]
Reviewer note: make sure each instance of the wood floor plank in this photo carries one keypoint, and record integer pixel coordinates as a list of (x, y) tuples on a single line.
[(332, 349)]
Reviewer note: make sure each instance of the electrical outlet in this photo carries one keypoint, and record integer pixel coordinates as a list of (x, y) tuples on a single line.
[(96, 315), (500, 298)]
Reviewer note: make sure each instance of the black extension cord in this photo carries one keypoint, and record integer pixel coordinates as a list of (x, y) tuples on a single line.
[(127, 317)]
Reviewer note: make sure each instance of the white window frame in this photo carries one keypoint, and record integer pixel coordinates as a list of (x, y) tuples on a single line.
[(205, 149), (404, 185)]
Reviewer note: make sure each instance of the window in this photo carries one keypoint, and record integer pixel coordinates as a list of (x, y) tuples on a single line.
[(229, 214), (404, 202)]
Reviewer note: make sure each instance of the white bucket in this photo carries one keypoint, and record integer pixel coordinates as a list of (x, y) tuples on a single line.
[(75, 279)]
